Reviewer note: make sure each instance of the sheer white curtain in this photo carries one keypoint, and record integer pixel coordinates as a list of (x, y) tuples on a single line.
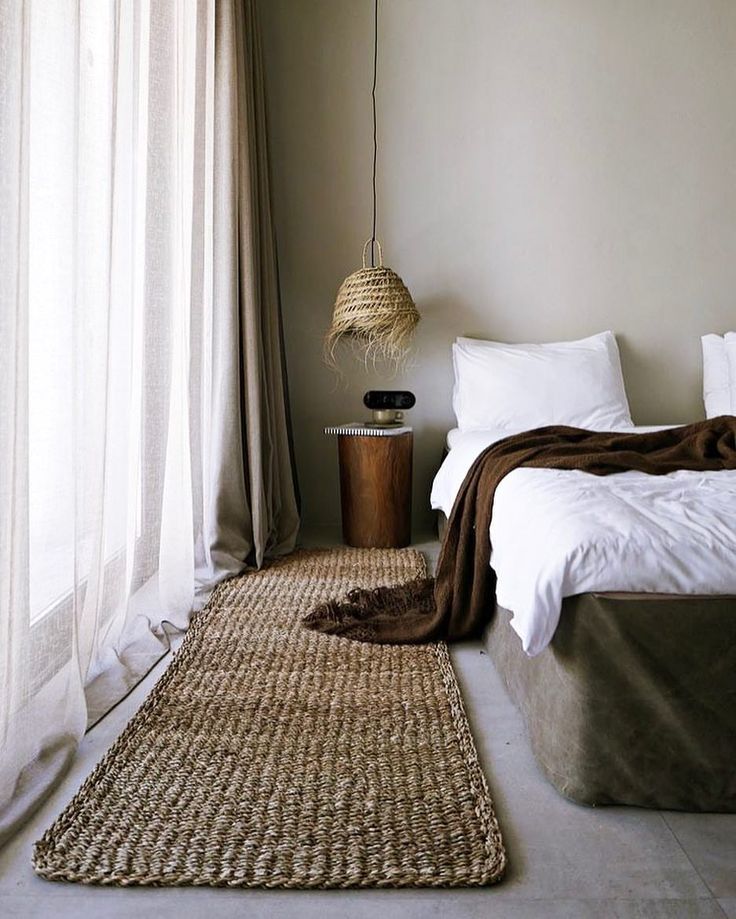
[(129, 483)]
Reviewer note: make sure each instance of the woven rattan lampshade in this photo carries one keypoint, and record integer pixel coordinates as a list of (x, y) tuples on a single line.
[(375, 311)]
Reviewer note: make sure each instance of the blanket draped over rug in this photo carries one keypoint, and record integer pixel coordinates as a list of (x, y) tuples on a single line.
[(457, 603)]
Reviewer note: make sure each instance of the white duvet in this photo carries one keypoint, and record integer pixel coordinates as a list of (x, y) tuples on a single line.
[(555, 533)]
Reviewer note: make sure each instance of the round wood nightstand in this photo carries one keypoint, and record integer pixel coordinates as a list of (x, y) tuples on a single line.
[(375, 485)]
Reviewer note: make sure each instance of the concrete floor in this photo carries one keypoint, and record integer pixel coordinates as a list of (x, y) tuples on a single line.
[(566, 861)]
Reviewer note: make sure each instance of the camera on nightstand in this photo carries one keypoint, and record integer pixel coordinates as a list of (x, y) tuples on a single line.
[(388, 406)]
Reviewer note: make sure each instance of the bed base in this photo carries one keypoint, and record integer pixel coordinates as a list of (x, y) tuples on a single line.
[(633, 702)]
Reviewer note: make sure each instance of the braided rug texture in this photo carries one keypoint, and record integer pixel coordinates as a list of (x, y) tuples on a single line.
[(268, 755)]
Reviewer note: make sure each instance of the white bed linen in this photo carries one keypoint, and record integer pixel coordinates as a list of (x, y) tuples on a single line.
[(556, 533)]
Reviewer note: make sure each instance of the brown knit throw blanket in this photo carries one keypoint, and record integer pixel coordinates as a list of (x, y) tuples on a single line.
[(457, 603)]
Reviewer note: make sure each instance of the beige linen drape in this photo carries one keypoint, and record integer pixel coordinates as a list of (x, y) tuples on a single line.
[(245, 278), (144, 443)]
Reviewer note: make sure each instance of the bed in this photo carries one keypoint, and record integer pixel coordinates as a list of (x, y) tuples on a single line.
[(614, 626)]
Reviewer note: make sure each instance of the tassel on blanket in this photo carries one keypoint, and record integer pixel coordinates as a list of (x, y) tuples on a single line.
[(373, 614)]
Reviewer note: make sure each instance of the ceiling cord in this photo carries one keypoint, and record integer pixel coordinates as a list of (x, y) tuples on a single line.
[(375, 141)]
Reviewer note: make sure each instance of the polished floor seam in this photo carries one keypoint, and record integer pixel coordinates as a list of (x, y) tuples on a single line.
[(692, 864)]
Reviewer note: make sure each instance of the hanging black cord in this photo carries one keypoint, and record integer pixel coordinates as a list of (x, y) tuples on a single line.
[(375, 141)]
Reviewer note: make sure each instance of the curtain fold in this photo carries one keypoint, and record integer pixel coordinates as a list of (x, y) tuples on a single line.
[(144, 443)]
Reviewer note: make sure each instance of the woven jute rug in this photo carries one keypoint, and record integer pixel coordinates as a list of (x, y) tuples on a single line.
[(268, 755)]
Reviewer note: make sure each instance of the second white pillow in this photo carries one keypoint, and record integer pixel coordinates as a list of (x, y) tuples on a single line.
[(719, 374)]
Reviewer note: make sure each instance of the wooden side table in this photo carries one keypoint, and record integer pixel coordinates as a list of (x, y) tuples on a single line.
[(375, 485)]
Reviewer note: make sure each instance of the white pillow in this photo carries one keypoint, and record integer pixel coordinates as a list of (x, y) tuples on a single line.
[(519, 387), (719, 374)]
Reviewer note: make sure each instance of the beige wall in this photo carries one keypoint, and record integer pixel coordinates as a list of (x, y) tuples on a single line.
[(548, 169)]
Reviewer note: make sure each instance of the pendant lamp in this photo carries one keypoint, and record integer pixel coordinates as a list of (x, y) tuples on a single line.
[(374, 310)]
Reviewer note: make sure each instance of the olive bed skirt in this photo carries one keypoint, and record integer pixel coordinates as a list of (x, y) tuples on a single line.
[(633, 702)]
